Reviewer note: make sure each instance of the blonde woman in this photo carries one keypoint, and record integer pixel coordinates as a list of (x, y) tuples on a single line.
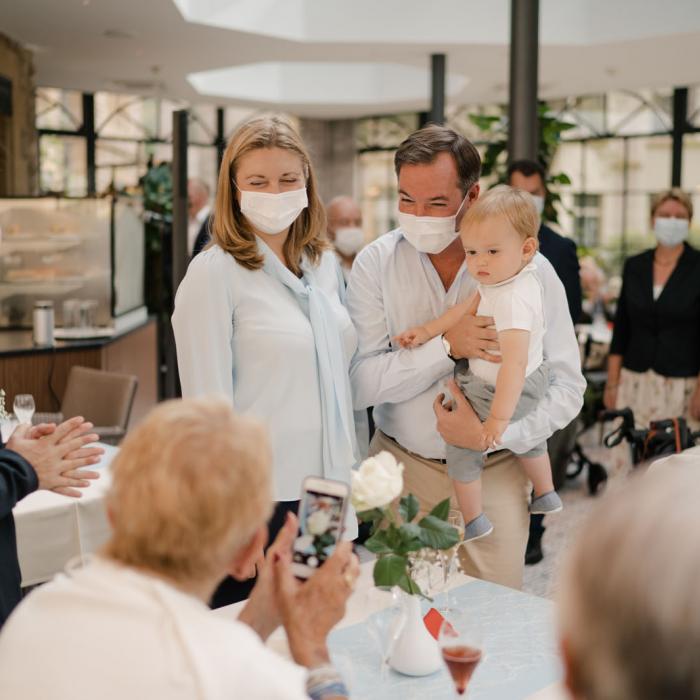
[(629, 608), (655, 351), (259, 316)]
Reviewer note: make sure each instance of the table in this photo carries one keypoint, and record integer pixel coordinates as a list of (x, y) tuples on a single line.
[(521, 659), (53, 529)]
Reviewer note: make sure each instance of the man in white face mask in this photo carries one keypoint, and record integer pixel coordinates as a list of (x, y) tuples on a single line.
[(412, 275), (345, 230)]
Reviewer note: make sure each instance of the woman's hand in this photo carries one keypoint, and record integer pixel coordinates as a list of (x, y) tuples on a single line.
[(311, 609), (261, 611), (694, 407), (610, 396)]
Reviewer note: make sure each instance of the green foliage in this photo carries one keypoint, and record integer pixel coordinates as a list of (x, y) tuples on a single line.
[(394, 543), (495, 161)]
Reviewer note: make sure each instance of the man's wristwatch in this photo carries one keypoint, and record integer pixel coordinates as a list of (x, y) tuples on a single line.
[(448, 349)]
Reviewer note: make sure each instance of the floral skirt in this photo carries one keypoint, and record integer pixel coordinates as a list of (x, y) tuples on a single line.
[(653, 397)]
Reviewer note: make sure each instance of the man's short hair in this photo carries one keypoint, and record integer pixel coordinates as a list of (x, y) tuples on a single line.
[(191, 486), (528, 168), (424, 146)]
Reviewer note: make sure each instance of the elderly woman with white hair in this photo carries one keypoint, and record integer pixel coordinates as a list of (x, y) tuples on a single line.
[(629, 598), (189, 502)]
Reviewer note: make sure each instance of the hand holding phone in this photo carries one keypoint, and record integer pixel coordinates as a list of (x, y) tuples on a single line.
[(321, 519)]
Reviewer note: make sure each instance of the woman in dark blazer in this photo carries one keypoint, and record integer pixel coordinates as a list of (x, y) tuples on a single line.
[(655, 352)]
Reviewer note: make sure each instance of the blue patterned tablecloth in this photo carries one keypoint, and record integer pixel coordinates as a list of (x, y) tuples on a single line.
[(521, 654)]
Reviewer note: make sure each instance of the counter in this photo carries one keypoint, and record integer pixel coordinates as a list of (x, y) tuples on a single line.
[(43, 372)]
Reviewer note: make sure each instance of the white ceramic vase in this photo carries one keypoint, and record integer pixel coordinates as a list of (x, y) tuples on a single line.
[(416, 652)]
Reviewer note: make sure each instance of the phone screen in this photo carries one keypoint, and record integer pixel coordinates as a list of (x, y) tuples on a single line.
[(320, 523)]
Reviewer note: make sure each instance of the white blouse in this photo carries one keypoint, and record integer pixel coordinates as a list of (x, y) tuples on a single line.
[(114, 633), (243, 334)]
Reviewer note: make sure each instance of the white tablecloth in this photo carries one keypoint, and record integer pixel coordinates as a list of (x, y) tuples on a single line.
[(53, 529)]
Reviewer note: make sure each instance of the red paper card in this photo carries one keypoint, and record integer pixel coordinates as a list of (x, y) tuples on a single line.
[(433, 621)]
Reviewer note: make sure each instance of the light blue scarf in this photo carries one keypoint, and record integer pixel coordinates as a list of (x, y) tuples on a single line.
[(340, 451)]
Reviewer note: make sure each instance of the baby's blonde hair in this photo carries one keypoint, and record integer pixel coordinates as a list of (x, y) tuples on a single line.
[(514, 204), (191, 486)]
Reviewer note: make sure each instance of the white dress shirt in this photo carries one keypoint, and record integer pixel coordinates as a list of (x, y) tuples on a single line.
[(394, 287), (243, 334), (114, 633)]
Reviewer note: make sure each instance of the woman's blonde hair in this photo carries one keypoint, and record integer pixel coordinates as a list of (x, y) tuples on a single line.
[(675, 194), (231, 230), (629, 597), (190, 487), (514, 204)]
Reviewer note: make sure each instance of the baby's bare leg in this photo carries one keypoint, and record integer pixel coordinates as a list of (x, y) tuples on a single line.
[(469, 498), (539, 471)]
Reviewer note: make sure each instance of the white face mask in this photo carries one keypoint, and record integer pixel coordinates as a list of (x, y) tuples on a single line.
[(539, 203), (430, 234), (349, 240), (670, 232), (273, 213)]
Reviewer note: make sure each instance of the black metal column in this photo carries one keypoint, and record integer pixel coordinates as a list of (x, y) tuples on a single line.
[(88, 130), (680, 125), (523, 138), (178, 245), (437, 88), (220, 137)]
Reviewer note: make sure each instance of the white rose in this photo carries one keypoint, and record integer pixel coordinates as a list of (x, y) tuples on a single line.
[(317, 523), (377, 482)]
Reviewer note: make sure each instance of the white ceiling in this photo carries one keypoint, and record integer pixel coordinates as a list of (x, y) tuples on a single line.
[(342, 58)]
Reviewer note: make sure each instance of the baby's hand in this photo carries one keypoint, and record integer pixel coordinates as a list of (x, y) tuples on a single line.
[(493, 429), (413, 337)]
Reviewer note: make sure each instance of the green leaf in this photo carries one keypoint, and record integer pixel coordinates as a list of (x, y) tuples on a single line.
[(408, 507), (377, 543), (441, 510), (389, 570), (406, 583), (410, 539), (438, 534), (561, 179), (368, 516)]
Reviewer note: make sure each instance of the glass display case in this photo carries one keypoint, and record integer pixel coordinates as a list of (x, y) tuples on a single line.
[(87, 251)]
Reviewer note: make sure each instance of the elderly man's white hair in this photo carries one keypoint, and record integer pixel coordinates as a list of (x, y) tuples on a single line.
[(629, 597)]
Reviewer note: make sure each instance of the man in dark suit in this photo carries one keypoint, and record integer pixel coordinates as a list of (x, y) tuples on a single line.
[(530, 176), (199, 214), (43, 457)]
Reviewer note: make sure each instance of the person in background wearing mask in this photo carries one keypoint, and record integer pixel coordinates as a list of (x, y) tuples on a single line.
[(412, 275), (259, 317), (345, 231), (530, 176), (198, 210), (654, 357)]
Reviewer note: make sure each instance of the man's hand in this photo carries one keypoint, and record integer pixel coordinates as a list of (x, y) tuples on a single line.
[(261, 612), (473, 336), (58, 454), (311, 609), (458, 424)]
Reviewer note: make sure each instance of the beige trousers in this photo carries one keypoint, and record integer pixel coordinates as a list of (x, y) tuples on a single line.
[(499, 557)]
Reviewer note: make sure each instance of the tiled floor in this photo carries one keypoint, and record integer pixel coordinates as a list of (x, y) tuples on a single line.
[(561, 529)]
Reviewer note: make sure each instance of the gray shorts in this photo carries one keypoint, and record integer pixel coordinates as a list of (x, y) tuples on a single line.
[(466, 465)]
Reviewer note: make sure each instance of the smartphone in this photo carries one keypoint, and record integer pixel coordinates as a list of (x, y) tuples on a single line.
[(321, 520)]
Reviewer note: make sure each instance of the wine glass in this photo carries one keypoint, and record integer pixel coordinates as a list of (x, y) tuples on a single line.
[(448, 556), (386, 619), (461, 645), (24, 407)]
